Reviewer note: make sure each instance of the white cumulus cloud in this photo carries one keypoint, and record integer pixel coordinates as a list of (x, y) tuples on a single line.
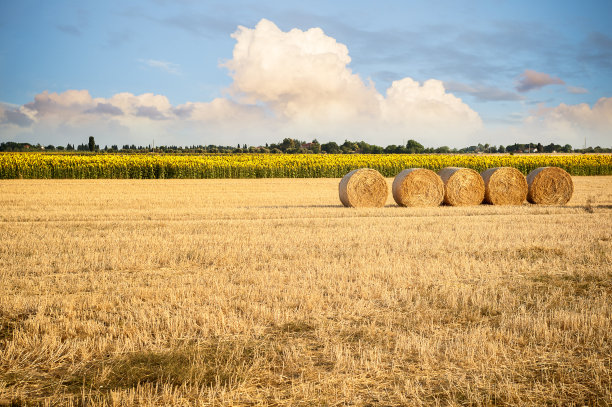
[(304, 76), (285, 84), (427, 107), (574, 122), (299, 74)]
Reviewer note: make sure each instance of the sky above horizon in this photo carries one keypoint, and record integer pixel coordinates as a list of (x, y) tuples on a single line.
[(190, 72)]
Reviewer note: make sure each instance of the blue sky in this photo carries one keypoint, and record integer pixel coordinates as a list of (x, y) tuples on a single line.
[(524, 71)]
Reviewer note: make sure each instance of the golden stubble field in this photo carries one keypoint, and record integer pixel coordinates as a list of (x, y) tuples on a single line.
[(268, 292)]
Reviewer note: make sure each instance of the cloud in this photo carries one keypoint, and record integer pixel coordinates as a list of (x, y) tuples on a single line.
[(147, 105), (150, 112), (576, 90), (410, 104), (530, 80), (12, 115), (219, 111), (165, 66), (17, 118), (285, 84), (67, 105), (483, 92), (300, 74), (59, 118), (303, 76), (574, 122), (105, 108), (79, 105)]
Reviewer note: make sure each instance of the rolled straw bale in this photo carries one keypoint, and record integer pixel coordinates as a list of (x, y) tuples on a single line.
[(362, 188), (504, 186), (418, 187), (549, 186), (462, 186)]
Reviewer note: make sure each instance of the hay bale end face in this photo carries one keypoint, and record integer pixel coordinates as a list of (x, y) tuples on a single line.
[(549, 186), (418, 187), (462, 186), (504, 186), (363, 188)]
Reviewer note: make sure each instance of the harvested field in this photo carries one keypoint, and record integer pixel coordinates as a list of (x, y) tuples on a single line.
[(270, 292)]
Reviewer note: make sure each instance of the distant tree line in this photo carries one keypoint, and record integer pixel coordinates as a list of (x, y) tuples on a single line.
[(294, 146)]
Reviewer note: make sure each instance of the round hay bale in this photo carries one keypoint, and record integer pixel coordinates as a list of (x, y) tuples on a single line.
[(462, 186), (418, 187), (549, 186), (504, 186), (363, 188)]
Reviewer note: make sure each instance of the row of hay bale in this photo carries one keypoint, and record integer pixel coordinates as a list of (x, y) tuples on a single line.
[(454, 186)]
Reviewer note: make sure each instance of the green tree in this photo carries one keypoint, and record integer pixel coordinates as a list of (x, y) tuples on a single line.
[(365, 148), (289, 144), (414, 147), (92, 143), (330, 148), (349, 147), (315, 146)]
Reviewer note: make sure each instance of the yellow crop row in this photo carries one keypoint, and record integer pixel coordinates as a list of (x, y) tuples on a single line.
[(40, 165)]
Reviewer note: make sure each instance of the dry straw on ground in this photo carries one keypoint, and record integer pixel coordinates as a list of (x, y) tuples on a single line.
[(418, 187), (363, 188), (462, 186), (256, 302), (549, 186), (504, 186)]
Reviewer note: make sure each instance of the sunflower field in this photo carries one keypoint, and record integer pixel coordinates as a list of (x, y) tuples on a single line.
[(41, 165)]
